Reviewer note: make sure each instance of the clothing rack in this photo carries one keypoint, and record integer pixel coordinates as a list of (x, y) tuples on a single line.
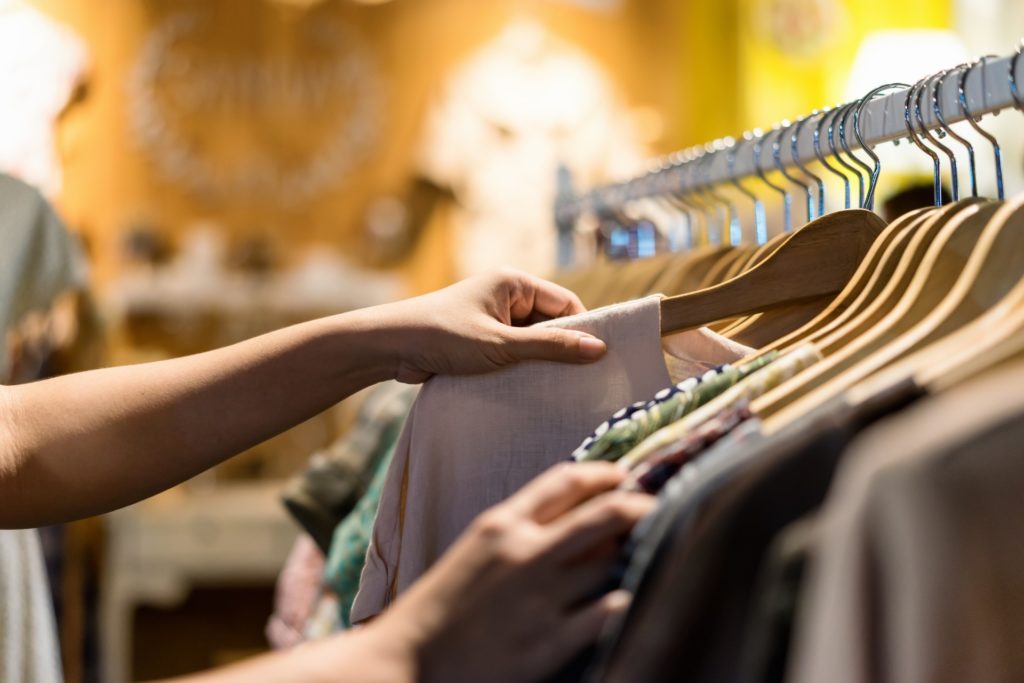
[(988, 89)]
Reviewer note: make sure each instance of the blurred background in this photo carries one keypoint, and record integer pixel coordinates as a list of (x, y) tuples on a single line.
[(231, 166)]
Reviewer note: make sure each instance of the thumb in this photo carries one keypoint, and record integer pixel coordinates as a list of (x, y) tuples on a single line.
[(550, 343)]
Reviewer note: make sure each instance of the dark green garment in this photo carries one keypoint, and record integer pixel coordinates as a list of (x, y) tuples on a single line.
[(352, 539), (337, 477)]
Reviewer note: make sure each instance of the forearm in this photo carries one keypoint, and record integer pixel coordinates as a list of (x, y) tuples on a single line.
[(367, 655), (92, 442)]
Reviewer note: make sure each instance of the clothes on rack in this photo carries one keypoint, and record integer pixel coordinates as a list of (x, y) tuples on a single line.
[(835, 501), (486, 436), (337, 477), (916, 565), (335, 500), (693, 586), (351, 541), (632, 425)]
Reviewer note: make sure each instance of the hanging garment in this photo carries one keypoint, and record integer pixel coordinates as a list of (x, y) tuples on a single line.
[(652, 474), (351, 540), (769, 633), (486, 436), (766, 372), (917, 573), (296, 594), (693, 586), (629, 426), (337, 477)]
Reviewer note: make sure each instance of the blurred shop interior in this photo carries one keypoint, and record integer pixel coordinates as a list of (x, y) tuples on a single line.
[(226, 168)]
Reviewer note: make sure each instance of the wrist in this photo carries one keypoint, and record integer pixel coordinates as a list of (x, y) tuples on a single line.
[(377, 336)]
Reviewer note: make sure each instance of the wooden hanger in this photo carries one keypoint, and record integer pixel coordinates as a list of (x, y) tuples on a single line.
[(876, 283), (719, 271), (894, 287), (992, 277), (946, 258), (816, 261), (686, 274), (866, 284), (993, 338)]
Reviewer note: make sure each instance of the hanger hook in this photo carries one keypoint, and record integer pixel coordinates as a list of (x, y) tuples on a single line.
[(845, 144), (794, 151), (760, 222), (675, 192), (954, 174), (693, 169), (759, 137), (777, 157), (937, 110), (997, 153), (821, 157), (936, 164), (832, 127), (726, 210), (869, 200)]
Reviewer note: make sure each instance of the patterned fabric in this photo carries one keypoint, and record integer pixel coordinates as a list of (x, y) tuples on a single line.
[(756, 384), (337, 477), (351, 540), (652, 474), (630, 426)]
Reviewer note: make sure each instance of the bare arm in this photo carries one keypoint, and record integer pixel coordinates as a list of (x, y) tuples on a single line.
[(511, 601), (88, 443)]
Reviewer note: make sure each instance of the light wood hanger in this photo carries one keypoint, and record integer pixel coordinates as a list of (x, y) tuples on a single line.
[(990, 340), (866, 284), (816, 261), (718, 272), (947, 258), (894, 288), (992, 277), (685, 274), (995, 337), (877, 281)]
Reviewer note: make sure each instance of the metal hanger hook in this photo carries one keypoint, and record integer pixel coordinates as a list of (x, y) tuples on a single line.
[(936, 164), (833, 126), (794, 150), (954, 175), (825, 114), (845, 144), (996, 152), (759, 137), (784, 127), (760, 223), (869, 200), (937, 110)]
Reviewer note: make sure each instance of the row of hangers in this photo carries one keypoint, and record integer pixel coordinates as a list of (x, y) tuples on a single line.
[(933, 297)]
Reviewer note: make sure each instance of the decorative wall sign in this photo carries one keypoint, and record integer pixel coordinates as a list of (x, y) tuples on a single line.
[(801, 28), (234, 120)]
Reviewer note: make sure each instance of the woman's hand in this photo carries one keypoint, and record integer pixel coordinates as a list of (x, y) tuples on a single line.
[(512, 600), (478, 325)]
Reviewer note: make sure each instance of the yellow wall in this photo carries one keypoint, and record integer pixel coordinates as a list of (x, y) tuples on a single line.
[(784, 78)]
